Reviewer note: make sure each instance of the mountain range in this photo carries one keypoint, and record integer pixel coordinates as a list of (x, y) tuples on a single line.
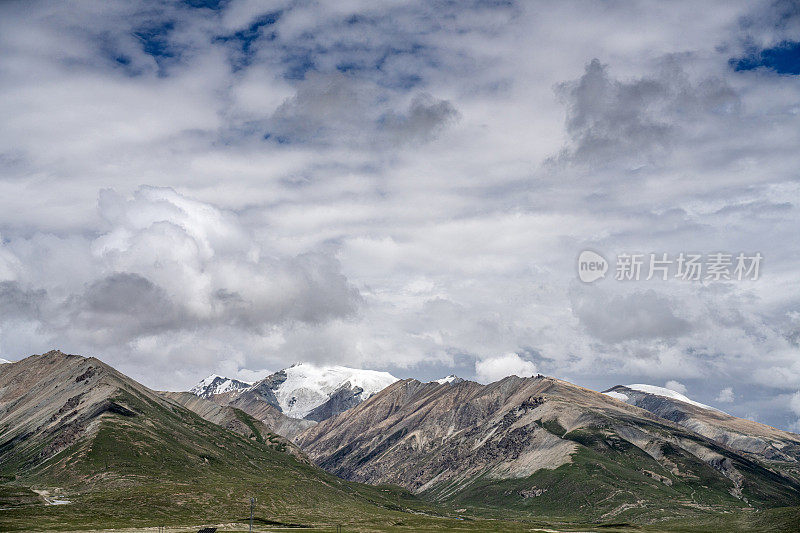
[(330, 445), (541, 445)]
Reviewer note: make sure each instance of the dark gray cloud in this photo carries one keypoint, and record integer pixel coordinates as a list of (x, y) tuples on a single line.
[(325, 107), (18, 303), (126, 305), (338, 108), (639, 315), (125, 294), (426, 116), (639, 120)]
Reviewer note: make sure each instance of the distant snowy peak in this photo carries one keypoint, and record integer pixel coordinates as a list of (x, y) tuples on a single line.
[(618, 393), (215, 384), (452, 378), (307, 386), (667, 393), (4, 361), (305, 390)]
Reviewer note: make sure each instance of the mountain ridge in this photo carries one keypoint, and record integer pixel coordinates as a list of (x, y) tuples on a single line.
[(743, 435)]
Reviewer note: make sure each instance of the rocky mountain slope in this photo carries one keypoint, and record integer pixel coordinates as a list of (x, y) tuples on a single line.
[(757, 440), (235, 420), (73, 429), (254, 404), (539, 445)]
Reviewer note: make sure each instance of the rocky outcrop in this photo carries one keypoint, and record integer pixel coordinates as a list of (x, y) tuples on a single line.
[(339, 401)]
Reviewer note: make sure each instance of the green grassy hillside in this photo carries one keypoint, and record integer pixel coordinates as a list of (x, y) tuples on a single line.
[(609, 480), (147, 463)]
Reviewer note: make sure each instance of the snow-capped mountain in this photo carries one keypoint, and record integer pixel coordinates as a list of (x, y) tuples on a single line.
[(4, 361), (215, 384), (307, 386), (303, 390)]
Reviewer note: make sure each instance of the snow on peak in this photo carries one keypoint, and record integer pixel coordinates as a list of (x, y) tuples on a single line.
[(617, 395), (205, 382), (452, 378), (4, 361), (302, 387), (215, 384), (667, 393), (308, 386)]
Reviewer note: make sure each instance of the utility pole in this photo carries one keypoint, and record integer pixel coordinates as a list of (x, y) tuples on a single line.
[(252, 504)]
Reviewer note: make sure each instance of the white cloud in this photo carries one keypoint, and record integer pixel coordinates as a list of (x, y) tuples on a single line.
[(725, 395), (167, 265), (794, 407), (794, 403), (676, 386), (495, 368)]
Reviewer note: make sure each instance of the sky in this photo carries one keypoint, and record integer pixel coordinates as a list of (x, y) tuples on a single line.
[(230, 187)]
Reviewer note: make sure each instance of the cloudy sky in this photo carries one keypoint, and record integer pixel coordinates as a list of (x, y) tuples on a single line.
[(233, 186)]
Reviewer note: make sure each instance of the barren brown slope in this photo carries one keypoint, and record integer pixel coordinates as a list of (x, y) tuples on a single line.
[(465, 441), (49, 401)]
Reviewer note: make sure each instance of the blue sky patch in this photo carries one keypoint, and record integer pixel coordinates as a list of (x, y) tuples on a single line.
[(214, 5), (783, 59), (155, 40), (244, 39)]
